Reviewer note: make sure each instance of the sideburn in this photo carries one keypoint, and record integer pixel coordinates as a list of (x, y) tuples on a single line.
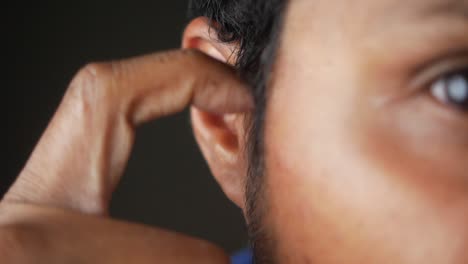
[(260, 235)]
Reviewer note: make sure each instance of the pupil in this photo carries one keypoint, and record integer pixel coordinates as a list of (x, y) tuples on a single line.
[(457, 90)]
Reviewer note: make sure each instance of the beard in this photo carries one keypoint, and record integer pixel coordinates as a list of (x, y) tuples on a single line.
[(260, 236), (259, 233)]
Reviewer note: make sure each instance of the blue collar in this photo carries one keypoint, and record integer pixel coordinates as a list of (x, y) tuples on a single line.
[(242, 257)]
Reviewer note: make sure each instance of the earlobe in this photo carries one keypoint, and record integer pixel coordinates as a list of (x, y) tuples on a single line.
[(220, 137), (223, 150)]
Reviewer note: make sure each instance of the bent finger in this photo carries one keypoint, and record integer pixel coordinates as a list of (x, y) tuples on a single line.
[(81, 156)]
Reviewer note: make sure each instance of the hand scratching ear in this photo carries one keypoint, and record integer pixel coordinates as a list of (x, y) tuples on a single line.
[(220, 137)]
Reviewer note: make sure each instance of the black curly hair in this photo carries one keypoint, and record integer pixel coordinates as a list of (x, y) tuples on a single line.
[(256, 26)]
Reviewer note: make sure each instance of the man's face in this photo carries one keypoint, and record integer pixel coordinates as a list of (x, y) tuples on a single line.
[(366, 144)]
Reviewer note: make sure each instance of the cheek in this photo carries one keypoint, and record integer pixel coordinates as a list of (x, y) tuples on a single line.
[(339, 189)]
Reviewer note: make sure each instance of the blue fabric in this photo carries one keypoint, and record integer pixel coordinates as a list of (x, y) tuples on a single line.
[(242, 257)]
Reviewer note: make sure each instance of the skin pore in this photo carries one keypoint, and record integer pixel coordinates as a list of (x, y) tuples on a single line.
[(363, 164)]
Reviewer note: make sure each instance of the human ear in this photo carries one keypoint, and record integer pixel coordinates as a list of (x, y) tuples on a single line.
[(220, 137)]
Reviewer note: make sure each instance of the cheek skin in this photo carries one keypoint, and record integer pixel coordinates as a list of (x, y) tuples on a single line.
[(342, 193), (344, 184), (349, 182)]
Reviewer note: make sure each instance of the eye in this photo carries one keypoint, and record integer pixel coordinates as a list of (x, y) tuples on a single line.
[(452, 89)]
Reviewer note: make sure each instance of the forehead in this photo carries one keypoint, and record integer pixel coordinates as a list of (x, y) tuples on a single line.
[(325, 24), (373, 11), (392, 6)]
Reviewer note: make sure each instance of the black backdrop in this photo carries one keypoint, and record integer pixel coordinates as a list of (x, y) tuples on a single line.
[(167, 182)]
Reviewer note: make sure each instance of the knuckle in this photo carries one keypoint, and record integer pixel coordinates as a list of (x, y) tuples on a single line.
[(94, 82), (94, 73), (97, 71)]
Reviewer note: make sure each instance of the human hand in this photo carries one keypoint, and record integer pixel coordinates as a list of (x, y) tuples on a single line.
[(56, 212)]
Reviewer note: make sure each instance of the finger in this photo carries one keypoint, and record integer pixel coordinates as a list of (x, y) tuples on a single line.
[(82, 154), (166, 83)]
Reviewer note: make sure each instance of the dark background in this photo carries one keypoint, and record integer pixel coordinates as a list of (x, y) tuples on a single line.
[(167, 182)]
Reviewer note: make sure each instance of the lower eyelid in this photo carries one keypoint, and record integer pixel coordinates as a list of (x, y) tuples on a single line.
[(422, 119), (446, 114)]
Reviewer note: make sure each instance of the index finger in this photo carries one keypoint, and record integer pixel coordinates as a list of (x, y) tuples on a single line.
[(81, 156), (170, 81)]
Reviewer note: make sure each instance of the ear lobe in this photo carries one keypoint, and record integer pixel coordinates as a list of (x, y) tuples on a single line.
[(220, 137), (222, 147)]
